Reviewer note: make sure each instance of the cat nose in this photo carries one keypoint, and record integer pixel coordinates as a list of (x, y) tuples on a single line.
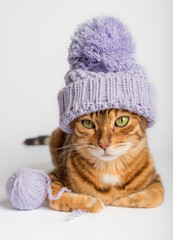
[(104, 145)]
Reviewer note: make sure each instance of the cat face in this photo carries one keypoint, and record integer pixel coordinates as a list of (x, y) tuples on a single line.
[(107, 134)]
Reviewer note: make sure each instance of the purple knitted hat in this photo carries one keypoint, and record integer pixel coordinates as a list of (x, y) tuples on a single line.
[(103, 74)]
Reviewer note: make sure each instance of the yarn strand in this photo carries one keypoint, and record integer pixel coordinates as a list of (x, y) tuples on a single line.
[(24, 195), (49, 191), (75, 213), (58, 195)]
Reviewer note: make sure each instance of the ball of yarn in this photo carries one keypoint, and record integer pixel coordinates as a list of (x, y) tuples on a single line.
[(27, 188), (102, 45)]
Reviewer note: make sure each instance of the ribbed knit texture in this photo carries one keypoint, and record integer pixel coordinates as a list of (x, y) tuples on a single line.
[(103, 74), (88, 92)]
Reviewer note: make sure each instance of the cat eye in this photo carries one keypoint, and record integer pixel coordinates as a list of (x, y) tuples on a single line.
[(121, 121), (88, 124)]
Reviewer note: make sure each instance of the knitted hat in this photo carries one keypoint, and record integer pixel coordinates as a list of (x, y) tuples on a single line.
[(103, 74)]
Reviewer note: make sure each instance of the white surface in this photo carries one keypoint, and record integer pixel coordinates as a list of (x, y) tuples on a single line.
[(34, 37), (112, 223)]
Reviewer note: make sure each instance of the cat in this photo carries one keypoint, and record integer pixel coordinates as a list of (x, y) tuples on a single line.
[(104, 161)]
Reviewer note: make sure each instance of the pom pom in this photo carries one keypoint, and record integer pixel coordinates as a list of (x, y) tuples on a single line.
[(27, 188), (102, 45)]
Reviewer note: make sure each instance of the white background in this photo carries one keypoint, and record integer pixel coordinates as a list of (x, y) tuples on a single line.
[(34, 40)]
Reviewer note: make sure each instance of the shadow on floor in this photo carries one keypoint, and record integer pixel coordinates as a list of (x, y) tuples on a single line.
[(6, 204)]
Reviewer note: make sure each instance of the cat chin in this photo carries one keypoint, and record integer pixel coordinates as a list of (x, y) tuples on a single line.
[(107, 157)]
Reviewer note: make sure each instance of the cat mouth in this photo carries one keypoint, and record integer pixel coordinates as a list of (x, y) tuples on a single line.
[(106, 155)]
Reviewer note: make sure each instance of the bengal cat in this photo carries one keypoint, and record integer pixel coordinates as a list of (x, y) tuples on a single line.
[(105, 161)]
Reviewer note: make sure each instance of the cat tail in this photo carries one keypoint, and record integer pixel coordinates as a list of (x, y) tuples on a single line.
[(40, 140)]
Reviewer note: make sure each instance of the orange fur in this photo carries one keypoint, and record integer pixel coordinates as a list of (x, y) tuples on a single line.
[(128, 180)]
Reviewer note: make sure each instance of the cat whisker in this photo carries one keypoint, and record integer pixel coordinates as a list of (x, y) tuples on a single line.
[(68, 146)]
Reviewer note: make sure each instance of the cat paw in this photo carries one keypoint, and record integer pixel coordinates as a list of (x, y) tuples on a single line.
[(73, 201), (92, 205)]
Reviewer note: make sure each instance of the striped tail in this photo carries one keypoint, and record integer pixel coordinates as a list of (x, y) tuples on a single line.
[(40, 140)]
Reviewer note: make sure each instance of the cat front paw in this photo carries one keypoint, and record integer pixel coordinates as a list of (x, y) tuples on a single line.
[(72, 201), (91, 204)]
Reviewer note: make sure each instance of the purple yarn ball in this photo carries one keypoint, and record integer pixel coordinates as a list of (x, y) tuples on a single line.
[(102, 45), (27, 188)]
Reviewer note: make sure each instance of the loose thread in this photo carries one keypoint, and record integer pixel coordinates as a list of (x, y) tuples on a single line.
[(49, 190), (76, 213), (58, 195)]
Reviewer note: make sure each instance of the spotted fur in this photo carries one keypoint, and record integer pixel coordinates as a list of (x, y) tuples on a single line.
[(131, 178)]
